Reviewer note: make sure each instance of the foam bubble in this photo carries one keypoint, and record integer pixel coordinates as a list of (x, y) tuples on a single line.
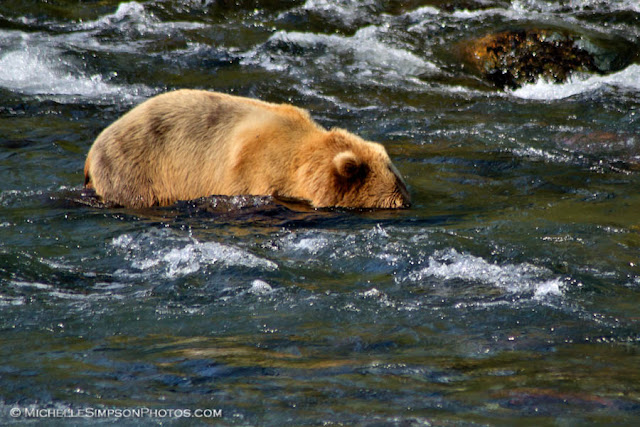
[(260, 287), (310, 245), (550, 287), (372, 293), (382, 298), (124, 242), (628, 78)]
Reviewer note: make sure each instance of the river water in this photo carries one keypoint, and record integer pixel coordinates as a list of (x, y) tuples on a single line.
[(508, 293)]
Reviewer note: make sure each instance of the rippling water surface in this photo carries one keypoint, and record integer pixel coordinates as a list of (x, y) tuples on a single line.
[(509, 292)]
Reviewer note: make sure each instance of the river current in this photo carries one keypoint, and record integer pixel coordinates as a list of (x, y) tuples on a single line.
[(509, 293)]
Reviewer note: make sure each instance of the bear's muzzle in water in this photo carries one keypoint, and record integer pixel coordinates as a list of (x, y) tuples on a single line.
[(188, 144)]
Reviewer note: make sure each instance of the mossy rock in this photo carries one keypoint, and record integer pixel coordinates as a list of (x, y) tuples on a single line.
[(510, 59)]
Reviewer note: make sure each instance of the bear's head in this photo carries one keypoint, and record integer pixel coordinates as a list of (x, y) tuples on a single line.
[(343, 170)]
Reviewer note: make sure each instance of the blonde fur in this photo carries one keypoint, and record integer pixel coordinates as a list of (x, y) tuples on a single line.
[(188, 144)]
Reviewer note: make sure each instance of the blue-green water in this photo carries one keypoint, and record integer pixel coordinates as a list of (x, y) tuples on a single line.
[(508, 294)]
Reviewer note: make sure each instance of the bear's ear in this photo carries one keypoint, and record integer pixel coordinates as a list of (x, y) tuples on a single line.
[(348, 165)]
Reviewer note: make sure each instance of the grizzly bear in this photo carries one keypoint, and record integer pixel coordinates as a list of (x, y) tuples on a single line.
[(188, 144)]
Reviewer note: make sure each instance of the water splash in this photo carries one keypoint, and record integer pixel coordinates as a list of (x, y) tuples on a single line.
[(161, 252), (362, 56), (42, 71), (133, 16), (450, 264), (629, 78)]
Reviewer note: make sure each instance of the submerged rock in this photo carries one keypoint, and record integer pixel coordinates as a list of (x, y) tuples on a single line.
[(512, 58)]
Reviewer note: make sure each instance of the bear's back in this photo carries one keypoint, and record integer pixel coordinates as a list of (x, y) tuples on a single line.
[(182, 145)]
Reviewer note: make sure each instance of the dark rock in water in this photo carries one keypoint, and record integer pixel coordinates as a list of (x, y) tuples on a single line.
[(512, 58)]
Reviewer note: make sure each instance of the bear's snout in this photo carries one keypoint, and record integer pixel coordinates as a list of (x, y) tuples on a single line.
[(402, 196)]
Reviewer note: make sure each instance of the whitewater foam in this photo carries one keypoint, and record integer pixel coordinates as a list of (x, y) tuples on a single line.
[(629, 78), (129, 11), (449, 265), (172, 256), (41, 71), (362, 55), (35, 64), (133, 16), (306, 245), (347, 11)]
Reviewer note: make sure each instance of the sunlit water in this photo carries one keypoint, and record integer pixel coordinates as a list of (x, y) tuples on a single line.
[(509, 293)]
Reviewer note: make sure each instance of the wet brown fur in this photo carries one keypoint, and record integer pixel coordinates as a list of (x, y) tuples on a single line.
[(188, 144)]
